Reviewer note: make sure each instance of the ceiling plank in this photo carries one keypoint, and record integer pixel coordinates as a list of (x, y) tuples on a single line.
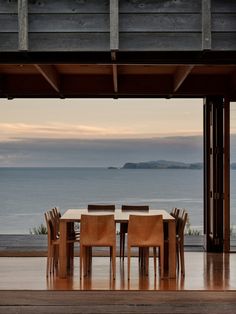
[(50, 74), (180, 76)]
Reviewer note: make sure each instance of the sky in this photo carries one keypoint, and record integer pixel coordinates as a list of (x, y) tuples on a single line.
[(100, 132)]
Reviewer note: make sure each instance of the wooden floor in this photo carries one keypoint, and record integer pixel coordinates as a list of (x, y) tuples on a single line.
[(204, 271), (208, 287), (88, 302)]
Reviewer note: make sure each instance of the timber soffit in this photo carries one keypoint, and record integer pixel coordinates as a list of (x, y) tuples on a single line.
[(187, 35)]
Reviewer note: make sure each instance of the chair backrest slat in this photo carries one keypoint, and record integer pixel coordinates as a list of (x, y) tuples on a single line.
[(101, 207), (181, 223), (135, 208)]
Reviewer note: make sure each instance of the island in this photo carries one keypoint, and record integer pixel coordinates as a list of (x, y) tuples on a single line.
[(162, 164)]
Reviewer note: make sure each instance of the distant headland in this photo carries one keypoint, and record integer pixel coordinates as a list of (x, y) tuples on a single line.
[(164, 164)]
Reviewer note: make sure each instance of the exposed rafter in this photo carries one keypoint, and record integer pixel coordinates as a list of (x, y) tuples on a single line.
[(115, 78), (114, 72), (50, 74), (180, 76)]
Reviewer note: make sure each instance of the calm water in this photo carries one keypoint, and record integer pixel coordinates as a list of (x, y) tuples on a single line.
[(26, 193)]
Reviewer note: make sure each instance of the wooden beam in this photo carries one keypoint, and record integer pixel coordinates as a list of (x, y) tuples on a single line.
[(180, 76), (114, 25), (23, 25), (206, 24), (114, 72), (50, 74), (115, 77)]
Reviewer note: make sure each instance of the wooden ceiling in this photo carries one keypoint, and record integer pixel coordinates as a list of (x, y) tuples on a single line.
[(117, 80)]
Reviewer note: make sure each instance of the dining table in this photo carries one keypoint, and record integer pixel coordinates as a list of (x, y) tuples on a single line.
[(72, 216)]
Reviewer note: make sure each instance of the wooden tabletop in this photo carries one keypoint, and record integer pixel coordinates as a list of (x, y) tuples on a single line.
[(120, 216)]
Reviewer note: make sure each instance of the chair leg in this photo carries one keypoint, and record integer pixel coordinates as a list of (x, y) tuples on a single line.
[(110, 253), (89, 254), (71, 256), (81, 261), (47, 267), (177, 256), (121, 241), (155, 260), (128, 258), (123, 245), (146, 250), (161, 261), (55, 258), (182, 259), (114, 261), (48, 270)]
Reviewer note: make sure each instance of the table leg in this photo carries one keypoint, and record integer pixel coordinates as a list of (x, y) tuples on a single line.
[(172, 249), (63, 250)]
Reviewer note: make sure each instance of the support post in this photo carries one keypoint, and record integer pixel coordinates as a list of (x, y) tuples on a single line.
[(226, 175), (216, 174)]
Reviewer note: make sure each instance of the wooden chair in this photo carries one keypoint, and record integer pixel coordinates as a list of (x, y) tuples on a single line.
[(180, 241), (101, 207), (124, 225), (98, 231), (175, 212), (52, 243), (146, 232), (54, 240)]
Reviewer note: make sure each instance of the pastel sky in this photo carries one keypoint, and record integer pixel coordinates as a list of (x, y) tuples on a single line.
[(99, 118), (98, 132)]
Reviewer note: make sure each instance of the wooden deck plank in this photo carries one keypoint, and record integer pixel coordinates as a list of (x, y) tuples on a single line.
[(117, 301), (204, 271)]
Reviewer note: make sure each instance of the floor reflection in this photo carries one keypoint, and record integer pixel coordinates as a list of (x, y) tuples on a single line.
[(204, 271)]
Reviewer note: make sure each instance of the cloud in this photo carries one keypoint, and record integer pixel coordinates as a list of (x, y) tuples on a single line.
[(15, 131), (51, 130)]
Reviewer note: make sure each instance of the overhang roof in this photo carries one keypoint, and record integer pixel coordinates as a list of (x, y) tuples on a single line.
[(118, 48)]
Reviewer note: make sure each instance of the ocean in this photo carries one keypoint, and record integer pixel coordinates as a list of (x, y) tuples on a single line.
[(26, 193)]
